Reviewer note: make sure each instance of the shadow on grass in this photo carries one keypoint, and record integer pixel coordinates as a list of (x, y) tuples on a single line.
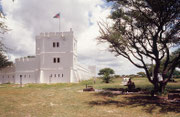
[(149, 104), (111, 92), (145, 101), (108, 94), (145, 91)]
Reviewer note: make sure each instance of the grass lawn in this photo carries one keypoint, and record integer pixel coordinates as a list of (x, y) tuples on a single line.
[(67, 100)]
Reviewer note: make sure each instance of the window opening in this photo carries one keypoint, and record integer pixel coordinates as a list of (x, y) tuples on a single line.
[(54, 60), (57, 44), (58, 60), (54, 44)]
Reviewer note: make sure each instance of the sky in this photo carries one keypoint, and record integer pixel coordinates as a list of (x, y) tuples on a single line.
[(28, 18)]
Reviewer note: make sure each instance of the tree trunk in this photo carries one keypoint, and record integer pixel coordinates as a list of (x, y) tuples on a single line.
[(162, 87), (156, 87), (159, 87)]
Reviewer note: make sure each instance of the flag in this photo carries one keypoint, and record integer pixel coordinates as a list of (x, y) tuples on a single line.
[(57, 15)]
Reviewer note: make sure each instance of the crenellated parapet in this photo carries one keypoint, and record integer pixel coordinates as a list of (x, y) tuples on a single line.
[(25, 59), (54, 34)]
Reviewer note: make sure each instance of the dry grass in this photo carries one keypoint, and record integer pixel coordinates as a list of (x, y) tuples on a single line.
[(65, 100)]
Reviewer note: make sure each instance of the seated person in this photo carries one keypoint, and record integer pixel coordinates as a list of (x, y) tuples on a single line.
[(130, 85)]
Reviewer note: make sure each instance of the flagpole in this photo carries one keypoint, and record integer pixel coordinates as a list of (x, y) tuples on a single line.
[(59, 22), (59, 25)]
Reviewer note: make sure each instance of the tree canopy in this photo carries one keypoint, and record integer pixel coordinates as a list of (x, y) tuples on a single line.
[(4, 61), (3, 29), (106, 74), (141, 74), (144, 31)]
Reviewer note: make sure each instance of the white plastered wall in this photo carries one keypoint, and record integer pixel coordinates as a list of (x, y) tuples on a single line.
[(25, 68), (41, 68), (7, 75)]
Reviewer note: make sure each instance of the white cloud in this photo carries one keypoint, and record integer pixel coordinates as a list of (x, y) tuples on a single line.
[(28, 18)]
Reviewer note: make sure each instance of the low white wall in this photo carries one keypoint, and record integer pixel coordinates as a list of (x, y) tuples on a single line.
[(25, 70), (82, 73), (25, 77), (7, 75)]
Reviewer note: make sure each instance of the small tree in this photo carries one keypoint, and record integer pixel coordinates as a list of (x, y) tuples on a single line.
[(106, 74)]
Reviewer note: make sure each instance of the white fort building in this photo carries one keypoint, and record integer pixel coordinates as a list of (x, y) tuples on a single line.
[(55, 62)]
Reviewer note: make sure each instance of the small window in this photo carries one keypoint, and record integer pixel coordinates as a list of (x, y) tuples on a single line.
[(54, 75), (58, 75), (58, 60), (62, 75), (20, 76), (50, 75), (57, 44), (54, 60), (29, 76), (54, 44), (13, 76)]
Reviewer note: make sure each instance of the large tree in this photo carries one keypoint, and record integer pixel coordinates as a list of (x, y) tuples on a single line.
[(145, 31), (3, 29)]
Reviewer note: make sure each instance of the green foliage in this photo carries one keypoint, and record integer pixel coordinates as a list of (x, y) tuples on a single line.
[(174, 55), (145, 30), (106, 74), (106, 71), (141, 74), (117, 76), (3, 29), (132, 76), (4, 61), (176, 74)]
